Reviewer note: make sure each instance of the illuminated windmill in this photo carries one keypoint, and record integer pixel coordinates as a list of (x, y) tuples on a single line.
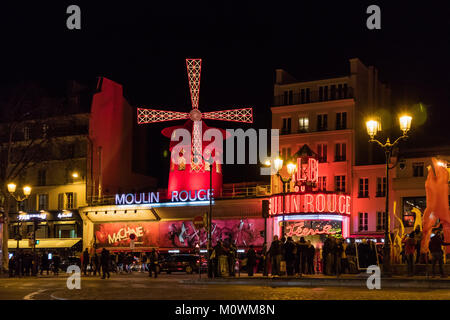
[(194, 176)]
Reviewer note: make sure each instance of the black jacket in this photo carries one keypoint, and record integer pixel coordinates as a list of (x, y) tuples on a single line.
[(275, 248), (104, 257)]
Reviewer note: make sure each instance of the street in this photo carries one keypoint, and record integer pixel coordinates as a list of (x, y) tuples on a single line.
[(138, 286)]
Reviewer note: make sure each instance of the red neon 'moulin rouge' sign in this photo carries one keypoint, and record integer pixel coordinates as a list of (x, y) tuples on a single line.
[(310, 203)]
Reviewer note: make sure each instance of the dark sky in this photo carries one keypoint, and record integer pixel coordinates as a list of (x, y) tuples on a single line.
[(143, 46)]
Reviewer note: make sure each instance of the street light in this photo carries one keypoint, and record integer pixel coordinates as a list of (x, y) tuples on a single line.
[(372, 128), (26, 193), (291, 168)]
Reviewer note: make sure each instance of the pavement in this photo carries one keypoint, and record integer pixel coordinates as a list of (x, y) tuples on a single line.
[(346, 280), (181, 286)]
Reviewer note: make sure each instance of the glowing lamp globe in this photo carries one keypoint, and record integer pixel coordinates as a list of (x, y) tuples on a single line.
[(291, 168), (405, 123), (372, 128), (278, 163), (27, 190), (11, 187)]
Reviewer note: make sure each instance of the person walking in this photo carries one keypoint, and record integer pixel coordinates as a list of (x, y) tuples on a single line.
[(310, 253), (350, 252), (418, 238), (86, 260), (331, 257), (275, 255), (44, 263), (325, 251), (154, 260), (435, 246), (95, 261), (264, 260), (338, 251), (290, 250), (251, 261), (144, 263), (104, 261), (56, 262), (12, 265), (410, 249)]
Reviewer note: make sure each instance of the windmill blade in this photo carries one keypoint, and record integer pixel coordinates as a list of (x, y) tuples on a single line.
[(152, 115), (194, 68), (236, 115), (197, 159)]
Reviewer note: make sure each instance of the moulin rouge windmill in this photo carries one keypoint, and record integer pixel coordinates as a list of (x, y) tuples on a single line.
[(194, 176)]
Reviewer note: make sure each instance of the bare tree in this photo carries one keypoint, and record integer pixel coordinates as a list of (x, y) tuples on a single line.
[(24, 139)]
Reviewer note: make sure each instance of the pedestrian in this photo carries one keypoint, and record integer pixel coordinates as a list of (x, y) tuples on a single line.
[(120, 261), (372, 259), (325, 251), (144, 262), (251, 261), (310, 253), (44, 263), (418, 238), (331, 257), (56, 260), (363, 254), (154, 261), (264, 260), (302, 247), (95, 261), (338, 251), (28, 260), (275, 255), (410, 249), (232, 259), (435, 246), (12, 265), (290, 250), (86, 260), (350, 252), (344, 260), (104, 261)]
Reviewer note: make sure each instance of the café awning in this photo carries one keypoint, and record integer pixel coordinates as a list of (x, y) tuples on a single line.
[(51, 243)]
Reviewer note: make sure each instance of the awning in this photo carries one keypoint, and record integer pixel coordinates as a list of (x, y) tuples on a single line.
[(51, 243)]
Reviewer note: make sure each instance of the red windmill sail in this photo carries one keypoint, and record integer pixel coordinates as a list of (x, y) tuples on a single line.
[(193, 176)]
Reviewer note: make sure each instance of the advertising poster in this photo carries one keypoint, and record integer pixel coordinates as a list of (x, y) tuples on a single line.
[(117, 235)]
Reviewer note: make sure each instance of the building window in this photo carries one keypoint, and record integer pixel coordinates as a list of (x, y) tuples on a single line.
[(322, 184), (417, 169), (325, 93), (286, 129), (42, 177), (67, 200), (43, 202), (288, 97), (308, 95), (339, 182), (340, 152), (303, 124), (320, 93), (339, 91), (322, 152), (345, 91), (381, 219), (341, 120), (322, 122), (65, 231), (302, 96), (286, 153), (333, 92), (381, 186), (363, 221), (363, 188)]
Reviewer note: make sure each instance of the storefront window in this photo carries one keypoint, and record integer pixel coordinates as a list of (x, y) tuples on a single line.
[(66, 231)]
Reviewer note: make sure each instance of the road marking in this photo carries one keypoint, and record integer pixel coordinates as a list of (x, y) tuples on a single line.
[(31, 295), (56, 298)]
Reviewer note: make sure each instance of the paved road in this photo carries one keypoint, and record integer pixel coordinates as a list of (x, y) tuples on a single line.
[(139, 286)]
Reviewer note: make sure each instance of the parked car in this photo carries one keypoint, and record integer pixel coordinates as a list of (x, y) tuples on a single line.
[(182, 262)]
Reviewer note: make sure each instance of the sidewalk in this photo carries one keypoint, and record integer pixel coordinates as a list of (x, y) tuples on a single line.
[(345, 280)]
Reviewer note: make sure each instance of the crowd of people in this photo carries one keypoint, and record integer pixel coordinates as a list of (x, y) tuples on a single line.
[(23, 263)]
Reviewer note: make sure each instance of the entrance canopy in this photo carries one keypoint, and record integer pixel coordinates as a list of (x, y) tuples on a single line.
[(52, 243)]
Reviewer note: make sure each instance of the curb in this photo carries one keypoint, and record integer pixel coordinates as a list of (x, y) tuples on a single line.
[(354, 282)]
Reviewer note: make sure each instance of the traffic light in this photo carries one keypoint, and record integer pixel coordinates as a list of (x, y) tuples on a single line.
[(265, 208)]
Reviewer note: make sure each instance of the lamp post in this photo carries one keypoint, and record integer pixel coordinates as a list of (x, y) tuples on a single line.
[(290, 167), (372, 128), (26, 193)]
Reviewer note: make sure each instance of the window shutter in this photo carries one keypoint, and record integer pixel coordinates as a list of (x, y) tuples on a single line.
[(74, 201), (46, 202), (60, 201)]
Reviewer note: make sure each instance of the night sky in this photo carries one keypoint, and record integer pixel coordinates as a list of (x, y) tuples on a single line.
[(143, 45)]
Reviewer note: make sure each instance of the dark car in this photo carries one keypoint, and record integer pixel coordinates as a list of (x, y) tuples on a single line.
[(181, 262), (70, 261)]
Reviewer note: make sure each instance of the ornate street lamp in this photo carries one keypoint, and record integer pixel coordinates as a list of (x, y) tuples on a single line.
[(290, 168), (373, 126)]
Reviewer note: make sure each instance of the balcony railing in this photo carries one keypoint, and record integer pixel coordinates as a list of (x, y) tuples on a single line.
[(315, 96)]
